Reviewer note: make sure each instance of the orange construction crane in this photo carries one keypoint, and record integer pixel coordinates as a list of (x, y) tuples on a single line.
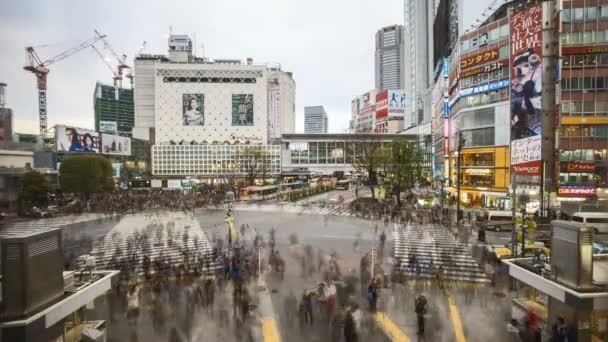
[(40, 69)]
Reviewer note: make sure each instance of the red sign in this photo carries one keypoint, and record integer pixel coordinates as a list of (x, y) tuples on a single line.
[(382, 104), (576, 191), (480, 58), (583, 50), (528, 169), (486, 68), (581, 167)]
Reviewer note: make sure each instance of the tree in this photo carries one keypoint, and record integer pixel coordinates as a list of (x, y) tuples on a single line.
[(34, 189), (252, 162), (402, 167), (368, 161), (86, 174)]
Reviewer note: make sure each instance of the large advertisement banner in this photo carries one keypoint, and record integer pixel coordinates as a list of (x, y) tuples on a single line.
[(110, 127), (193, 109), (116, 145), (526, 87), (382, 104), (71, 139), (242, 110), (397, 102)]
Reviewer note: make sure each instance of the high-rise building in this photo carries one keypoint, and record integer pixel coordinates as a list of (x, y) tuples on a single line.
[(390, 51), (114, 110), (315, 119), (6, 116), (418, 61)]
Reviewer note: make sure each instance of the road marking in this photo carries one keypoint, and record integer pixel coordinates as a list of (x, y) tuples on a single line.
[(456, 322), (269, 330), (390, 328)]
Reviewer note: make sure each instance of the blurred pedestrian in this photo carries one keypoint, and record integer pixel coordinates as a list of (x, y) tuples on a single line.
[(421, 308)]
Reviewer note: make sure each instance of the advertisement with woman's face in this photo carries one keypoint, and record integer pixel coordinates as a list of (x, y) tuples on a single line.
[(193, 109), (71, 139)]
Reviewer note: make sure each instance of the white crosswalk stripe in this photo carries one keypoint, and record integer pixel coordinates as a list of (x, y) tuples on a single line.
[(427, 250), (299, 209)]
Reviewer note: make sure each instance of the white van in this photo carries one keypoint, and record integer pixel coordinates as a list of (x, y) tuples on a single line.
[(500, 219), (597, 220)]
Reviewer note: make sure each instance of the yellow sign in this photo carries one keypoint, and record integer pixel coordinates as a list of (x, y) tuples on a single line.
[(477, 171), (584, 120)]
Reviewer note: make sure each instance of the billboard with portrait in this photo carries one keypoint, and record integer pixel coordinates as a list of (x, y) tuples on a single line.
[(115, 145), (72, 139), (526, 81), (193, 109), (242, 110)]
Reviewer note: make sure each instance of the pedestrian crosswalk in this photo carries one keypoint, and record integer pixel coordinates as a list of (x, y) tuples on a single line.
[(299, 209), (431, 252)]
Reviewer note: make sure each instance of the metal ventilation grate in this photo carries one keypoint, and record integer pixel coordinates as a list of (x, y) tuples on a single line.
[(586, 238), (565, 235), (43, 246), (13, 252)]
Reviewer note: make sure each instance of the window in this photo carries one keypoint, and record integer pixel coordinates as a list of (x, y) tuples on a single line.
[(591, 13), (588, 36), (503, 52), (493, 35), (474, 43), (504, 30), (588, 83), (565, 38), (579, 13), (604, 11), (464, 45), (566, 15), (588, 106), (579, 60)]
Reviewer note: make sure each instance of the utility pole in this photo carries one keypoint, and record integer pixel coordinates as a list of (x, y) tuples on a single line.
[(514, 210), (461, 142)]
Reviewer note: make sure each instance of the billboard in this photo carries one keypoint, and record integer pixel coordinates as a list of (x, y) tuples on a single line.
[(110, 127), (480, 58), (576, 190), (382, 104), (367, 102), (397, 102), (193, 109), (242, 110), (526, 86), (71, 139), (354, 107), (116, 145), (526, 156)]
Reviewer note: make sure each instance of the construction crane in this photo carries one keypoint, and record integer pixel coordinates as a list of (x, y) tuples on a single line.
[(116, 77), (120, 59), (40, 69)]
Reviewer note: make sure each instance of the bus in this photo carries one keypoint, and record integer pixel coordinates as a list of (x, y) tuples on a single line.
[(343, 184)]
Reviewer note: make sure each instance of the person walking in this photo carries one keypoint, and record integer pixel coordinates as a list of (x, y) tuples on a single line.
[(307, 307), (372, 297), (350, 326), (421, 308)]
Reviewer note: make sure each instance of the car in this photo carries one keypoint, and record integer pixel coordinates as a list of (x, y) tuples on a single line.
[(499, 220), (599, 248), (597, 220), (36, 212)]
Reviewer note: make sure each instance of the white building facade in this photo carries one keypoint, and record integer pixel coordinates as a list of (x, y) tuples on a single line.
[(204, 117)]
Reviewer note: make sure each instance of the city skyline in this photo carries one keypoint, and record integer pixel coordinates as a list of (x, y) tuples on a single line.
[(345, 64)]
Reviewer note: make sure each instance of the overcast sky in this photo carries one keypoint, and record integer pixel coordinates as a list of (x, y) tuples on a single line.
[(328, 45)]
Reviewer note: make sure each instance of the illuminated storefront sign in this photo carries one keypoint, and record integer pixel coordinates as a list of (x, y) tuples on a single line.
[(584, 120), (576, 191), (580, 167), (484, 88), (582, 50), (486, 68), (474, 60), (478, 172)]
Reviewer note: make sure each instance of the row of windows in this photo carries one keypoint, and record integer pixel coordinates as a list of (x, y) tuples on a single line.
[(484, 38), (584, 37), (480, 99), (248, 80), (584, 83), (589, 106), (585, 60), (584, 131), (583, 155), (584, 13), (485, 77)]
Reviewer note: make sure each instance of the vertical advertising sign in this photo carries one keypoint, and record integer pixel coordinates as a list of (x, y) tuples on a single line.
[(526, 88), (397, 102), (382, 104)]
